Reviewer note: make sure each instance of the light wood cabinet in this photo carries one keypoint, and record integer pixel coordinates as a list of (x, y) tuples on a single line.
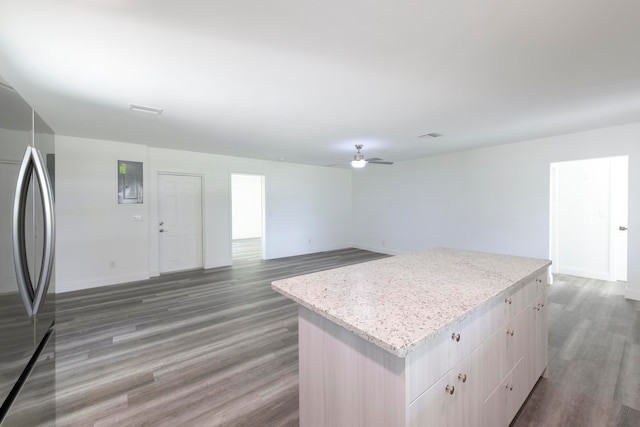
[(509, 355), (536, 344), (477, 371), (505, 400), (453, 399)]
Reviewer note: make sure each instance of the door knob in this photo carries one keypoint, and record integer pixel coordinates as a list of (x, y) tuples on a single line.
[(162, 230), (622, 228)]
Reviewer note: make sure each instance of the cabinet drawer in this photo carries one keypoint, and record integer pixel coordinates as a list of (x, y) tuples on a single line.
[(505, 400), (454, 400), (431, 361), (502, 351), (533, 289)]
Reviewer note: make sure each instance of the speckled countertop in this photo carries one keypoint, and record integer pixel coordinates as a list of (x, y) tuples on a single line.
[(398, 303)]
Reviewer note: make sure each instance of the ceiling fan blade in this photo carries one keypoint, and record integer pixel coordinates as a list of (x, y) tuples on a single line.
[(379, 162)]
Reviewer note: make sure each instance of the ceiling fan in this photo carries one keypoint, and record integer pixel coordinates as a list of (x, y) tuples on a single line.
[(359, 161)]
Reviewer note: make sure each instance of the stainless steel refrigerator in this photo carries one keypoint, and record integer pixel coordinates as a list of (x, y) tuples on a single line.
[(27, 241)]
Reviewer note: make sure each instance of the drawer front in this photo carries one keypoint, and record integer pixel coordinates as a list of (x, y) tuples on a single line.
[(431, 361), (454, 400), (505, 400)]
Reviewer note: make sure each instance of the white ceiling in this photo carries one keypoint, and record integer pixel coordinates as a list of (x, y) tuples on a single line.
[(303, 81)]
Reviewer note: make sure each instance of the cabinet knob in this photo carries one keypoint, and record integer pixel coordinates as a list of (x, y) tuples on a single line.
[(510, 332), (450, 389), (539, 280), (509, 387), (508, 300), (462, 377), (455, 337)]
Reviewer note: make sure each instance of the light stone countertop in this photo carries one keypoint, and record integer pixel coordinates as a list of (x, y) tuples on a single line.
[(401, 302)]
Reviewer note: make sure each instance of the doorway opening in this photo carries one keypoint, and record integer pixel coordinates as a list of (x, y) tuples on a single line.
[(247, 217), (588, 218)]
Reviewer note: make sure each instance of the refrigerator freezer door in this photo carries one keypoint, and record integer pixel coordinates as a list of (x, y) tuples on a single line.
[(27, 356), (17, 339)]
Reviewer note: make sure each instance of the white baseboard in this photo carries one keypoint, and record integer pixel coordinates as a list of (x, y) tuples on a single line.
[(599, 275), (633, 294), (62, 287), (381, 250)]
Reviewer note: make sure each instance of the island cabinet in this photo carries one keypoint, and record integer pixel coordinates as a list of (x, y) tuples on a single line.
[(504, 355), (379, 346)]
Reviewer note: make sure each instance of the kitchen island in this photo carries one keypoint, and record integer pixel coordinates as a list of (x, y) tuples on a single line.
[(438, 337)]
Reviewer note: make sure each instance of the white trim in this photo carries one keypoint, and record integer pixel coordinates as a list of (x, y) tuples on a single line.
[(102, 281)]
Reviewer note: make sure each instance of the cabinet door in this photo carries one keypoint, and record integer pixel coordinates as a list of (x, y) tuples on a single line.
[(494, 361), (541, 335), (503, 350), (454, 400), (471, 383), (505, 400), (433, 359), (438, 405), (514, 332)]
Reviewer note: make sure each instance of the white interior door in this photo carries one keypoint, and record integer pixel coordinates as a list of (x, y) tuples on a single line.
[(179, 222), (620, 213)]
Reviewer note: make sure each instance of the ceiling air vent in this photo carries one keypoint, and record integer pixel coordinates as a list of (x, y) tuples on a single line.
[(145, 109), (431, 135)]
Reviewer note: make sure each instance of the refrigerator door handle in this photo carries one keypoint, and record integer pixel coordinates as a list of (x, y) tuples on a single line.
[(33, 299), (19, 246), (46, 196)]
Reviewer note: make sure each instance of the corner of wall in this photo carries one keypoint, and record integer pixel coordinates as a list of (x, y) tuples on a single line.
[(633, 293)]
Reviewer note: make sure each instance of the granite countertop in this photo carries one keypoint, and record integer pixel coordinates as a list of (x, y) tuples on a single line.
[(401, 302)]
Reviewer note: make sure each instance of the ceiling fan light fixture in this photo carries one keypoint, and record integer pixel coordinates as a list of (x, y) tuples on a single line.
[(358, 163)]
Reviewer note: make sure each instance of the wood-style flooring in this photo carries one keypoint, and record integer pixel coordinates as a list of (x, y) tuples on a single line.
[(594, 358), (219, 348), (204, 348), (247, 249)]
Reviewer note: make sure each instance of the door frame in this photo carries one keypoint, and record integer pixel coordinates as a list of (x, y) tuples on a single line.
[(614, 252), (155, 224)]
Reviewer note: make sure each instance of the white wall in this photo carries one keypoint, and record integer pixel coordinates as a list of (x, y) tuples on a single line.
[(93, 230), (494, 199), (308, 210), (246, 206)]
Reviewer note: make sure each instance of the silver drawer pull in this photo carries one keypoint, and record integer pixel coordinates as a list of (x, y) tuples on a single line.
[(455, 337), (462, 377), (539, 280), (509, 387), (450, 389), (508, 300), (510, 332)]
